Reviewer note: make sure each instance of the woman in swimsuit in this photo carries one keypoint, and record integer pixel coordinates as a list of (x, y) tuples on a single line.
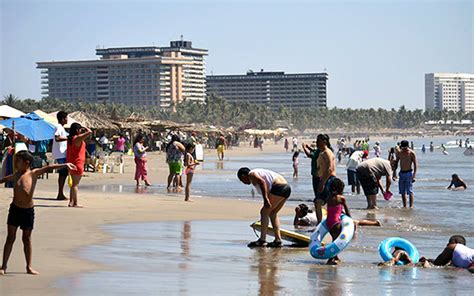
[(457, 182), (190, 164)]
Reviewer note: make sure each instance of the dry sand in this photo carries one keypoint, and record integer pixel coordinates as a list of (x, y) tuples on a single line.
[(61, 231)]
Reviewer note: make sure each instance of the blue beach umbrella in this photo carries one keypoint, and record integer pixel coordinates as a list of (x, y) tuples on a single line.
[(31, 126)]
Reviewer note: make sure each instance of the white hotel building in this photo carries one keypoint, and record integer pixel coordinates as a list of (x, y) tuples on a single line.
[(449, 91)]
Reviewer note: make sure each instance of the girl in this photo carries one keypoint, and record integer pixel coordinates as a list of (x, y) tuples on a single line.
[(76, 154), (190, 164), (139, 150), (335, 203), (457, 182), (295, 164)]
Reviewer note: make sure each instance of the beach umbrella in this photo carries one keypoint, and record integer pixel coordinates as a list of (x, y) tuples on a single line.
[(31, 126)]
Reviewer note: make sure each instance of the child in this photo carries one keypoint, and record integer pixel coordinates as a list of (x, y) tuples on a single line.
[(295, 163), (457, 182), (21, 213), (190, 164), (335, 203), (304, 216), (398, 254)]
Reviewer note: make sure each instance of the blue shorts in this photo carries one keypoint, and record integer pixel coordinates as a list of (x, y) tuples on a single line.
[(405, 183), (324, 195), (64, 171)]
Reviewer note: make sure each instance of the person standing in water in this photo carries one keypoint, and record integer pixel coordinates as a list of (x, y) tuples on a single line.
[(431, 147), (327, 172), (313, 154), (407, 175), (370, 173), (275, 192), (295, 161), (220, 146), (423, 148)]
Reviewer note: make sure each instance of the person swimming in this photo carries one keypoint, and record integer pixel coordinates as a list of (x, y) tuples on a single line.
[(457, 183), (398, 254)]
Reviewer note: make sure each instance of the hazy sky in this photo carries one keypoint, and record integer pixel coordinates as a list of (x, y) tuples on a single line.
[(376, 52)]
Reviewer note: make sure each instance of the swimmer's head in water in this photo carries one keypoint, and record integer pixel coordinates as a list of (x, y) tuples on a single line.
[(457, 239), (337, 186), (243, 175)]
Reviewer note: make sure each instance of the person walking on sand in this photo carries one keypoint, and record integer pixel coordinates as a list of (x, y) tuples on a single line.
[(76, 154), (139, 152), (22, 212), (220, 146), (407, 175), (327, 172), (369, 173), (275, 192), (59, 151)]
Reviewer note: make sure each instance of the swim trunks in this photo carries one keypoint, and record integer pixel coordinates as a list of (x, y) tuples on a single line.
[(352, 178), (324, 195), (175, 167), (21, 217), (368, 182), (64, 171), (405, 182), (220, 148), (283, 190)]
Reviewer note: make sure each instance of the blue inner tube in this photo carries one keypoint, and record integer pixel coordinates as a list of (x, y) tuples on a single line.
[(320, 251), (386, 246)]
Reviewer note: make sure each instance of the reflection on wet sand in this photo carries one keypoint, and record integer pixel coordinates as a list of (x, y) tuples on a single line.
[(325, 281), (267, 267), (219, 165)]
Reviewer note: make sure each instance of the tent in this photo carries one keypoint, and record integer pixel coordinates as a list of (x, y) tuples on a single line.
[(9, 112), (31, 126)]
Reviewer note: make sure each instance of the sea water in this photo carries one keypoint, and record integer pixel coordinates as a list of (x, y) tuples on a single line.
[(211, 257)]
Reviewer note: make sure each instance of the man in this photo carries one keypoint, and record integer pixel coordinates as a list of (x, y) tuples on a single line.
[(370, 173), (220, 145), (407, 175), (59, 151), (295, 144), (326, 171), (313, 154)]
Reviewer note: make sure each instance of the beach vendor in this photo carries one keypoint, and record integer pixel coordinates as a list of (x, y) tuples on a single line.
[(275, 191), (455, 252)]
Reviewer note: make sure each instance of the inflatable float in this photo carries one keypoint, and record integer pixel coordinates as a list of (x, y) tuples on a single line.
[(386, 246), (320, 251)]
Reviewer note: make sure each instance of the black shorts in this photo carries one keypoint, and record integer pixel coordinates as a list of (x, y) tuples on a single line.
[(369, 184), (316, 180), (283, 190), (20, 217), (352, 178), (324, 195)]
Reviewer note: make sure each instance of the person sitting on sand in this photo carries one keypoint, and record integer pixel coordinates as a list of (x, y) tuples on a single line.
[(22, 212), (455, 252), (457, 182), (275, 191), (398, 254), (304, 216)]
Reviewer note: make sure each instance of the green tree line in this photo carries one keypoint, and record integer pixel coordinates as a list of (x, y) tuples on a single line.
[(219, 112)]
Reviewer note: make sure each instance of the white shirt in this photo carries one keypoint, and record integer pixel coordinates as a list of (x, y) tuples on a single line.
[(59, 148)]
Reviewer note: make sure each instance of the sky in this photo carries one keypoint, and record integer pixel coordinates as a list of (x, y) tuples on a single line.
[(376, 52)]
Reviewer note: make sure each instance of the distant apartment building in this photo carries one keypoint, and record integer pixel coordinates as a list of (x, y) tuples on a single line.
[(449, 91), (271, 88), (151, 76)]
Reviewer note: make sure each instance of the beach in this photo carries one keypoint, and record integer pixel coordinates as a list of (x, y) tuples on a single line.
[(127, 241)]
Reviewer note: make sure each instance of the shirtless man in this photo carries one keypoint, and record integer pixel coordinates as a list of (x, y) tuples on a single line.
[(407, 175), (22, 213), (326, 164)]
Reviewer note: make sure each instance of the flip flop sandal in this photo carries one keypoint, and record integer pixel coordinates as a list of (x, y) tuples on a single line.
[(257, 244)]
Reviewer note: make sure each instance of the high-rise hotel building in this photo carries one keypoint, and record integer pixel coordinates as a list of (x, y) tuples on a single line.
[(273, 89), (449, 91), (151, 76)]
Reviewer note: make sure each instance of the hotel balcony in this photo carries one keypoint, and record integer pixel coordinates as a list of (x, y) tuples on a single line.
[(44, 77), (45, 92)]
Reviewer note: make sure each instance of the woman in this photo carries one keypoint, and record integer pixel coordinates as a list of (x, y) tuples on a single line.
[(190, 164), (174, 157), (275, 191), (139, 150), (120, 144), (76, 154)]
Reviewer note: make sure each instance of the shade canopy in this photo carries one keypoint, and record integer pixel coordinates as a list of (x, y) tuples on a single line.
[(9, 112), (31, 126)]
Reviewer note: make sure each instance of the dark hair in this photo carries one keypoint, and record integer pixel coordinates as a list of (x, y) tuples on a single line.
[(337, 186), (174, 138), (138, 139), (189, 146), (404, 143), (304, 208), (325, 138), (73, 131), (25, 156), (61, 115), (296, 154), (457, 239), (455, 176), (243, 172)]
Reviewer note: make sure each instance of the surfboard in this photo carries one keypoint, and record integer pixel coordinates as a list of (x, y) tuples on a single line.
[(287, 235), (199, 152)]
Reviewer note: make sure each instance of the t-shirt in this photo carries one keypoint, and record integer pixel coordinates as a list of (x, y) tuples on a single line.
[(377, 167), (314, 162), (136, 150), (354, 160), (59, 148), (267, 175), (120, 144), (310, 219)]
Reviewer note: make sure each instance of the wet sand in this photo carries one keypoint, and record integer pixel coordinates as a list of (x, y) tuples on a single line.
[(61, 231)]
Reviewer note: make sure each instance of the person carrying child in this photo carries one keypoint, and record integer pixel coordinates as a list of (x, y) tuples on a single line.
[(22, 213)]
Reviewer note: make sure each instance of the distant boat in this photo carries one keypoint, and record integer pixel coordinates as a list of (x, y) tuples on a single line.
[(469, 151)]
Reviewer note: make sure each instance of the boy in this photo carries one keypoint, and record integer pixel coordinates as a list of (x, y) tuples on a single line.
[(398, 255), (407, 175), (21, 213)]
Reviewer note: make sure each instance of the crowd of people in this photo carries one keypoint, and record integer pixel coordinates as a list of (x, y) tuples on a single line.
[(328, 190)]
